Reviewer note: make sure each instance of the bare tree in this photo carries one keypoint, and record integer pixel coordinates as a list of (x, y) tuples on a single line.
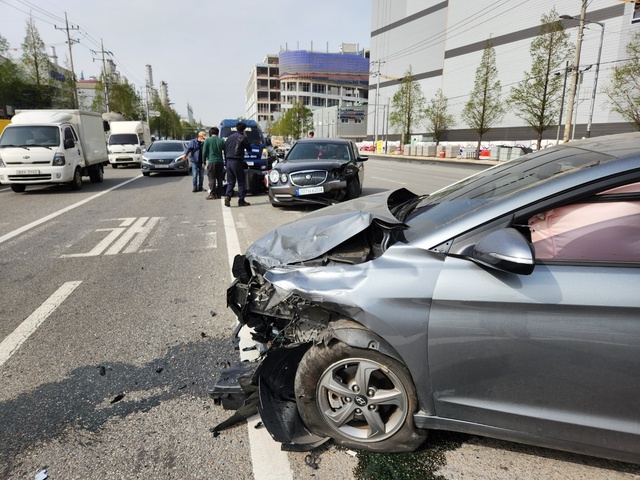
[(484, 108), (438, 120), (536, 99), (408, 106), (624, 89)]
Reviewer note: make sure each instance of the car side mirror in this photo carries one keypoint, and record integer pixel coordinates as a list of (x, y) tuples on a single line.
[(69, 143), (506, 250), (363, 159)]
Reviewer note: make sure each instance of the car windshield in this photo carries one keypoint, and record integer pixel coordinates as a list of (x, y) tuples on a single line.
[(166, 147), (319, 150), (462, 198), (123, 139), (253, 134), (30, 136)]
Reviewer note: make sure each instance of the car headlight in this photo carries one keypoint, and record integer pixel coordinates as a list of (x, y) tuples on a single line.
[(145, 160), (265, 154), (274, 175), (109, 151), (138, 151), (284, 178), (178, 159), (2, 165), (58, 160)]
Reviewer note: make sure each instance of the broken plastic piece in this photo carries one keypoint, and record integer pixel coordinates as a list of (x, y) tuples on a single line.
[(42, 474), (312, 461)]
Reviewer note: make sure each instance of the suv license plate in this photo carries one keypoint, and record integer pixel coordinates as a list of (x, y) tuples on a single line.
[(27, 172), (309, 190)]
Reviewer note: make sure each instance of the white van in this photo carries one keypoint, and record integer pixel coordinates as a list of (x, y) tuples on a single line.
[(52, 146), (127, 142)]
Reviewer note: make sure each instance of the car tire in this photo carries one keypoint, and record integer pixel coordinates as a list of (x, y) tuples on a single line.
[(353, 189), (76, 183), (96, 174), (146, 174), (328, 381), (16, 187), (113, 165)]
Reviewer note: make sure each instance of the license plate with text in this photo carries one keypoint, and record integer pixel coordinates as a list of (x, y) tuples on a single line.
[(309, 190)]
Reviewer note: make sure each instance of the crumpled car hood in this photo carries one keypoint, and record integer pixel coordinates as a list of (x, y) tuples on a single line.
[(318, 232)]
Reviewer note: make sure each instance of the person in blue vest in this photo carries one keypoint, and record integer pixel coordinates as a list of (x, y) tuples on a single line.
[(194, 153)]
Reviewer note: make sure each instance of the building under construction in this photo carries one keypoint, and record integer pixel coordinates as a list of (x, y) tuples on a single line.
[(315, 79)]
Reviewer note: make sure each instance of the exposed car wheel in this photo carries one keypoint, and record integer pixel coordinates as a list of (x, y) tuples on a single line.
[(353, 189), (76, 183), (16, 187), (96, 173), (113, 165), (360, 398), (146, 174)]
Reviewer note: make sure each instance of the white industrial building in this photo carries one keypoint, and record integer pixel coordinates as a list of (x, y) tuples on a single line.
[(443, 42)]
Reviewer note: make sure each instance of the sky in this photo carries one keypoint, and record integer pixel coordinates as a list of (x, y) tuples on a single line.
[(203, 50)]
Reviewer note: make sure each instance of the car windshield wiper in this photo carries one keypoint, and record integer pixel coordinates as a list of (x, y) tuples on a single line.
[(14, 146), (43, 146)]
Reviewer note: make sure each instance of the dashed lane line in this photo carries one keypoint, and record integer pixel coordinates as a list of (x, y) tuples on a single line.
[(12, 343)]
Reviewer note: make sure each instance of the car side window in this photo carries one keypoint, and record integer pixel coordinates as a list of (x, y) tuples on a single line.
[(603, 228)]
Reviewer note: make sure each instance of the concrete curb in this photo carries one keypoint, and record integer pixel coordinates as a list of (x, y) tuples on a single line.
[(420, 159)]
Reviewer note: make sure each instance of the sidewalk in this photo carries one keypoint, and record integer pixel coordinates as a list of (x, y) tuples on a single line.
[(421, 159)]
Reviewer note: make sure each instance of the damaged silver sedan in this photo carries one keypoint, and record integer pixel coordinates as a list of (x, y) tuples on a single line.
[(504, 305)]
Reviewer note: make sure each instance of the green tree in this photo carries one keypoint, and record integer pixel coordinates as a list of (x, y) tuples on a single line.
[(294, 122), (537, 98), (484, 108), (12, 86), (408, 106), (624, 87), (168, 123), (123, 98), (438, 120), (37, 64)]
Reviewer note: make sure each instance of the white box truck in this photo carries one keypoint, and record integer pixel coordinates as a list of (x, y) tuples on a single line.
[(127, 142), (52, 146)]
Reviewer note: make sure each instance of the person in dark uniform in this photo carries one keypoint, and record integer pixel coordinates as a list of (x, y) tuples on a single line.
[(234, 149)]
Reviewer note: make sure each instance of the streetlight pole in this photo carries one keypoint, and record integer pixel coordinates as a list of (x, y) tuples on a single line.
[(576, 65), (564, 89), (595, 80)]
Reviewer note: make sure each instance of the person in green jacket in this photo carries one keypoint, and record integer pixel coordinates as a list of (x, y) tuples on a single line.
[(213, 153)]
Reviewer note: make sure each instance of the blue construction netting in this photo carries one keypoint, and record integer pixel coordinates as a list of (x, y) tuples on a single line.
[(339, 65)]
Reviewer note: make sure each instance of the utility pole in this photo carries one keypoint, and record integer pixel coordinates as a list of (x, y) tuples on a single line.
[(575, 73), (105, 77), (70, 42), (375, 111)]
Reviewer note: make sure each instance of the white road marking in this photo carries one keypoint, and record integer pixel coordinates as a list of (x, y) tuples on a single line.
[(42, 220), (268, 460), (387, 180), (212, 240), (12, 343)]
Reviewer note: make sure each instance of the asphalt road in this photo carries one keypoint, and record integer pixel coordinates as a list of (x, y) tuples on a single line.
[(113, 322)]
